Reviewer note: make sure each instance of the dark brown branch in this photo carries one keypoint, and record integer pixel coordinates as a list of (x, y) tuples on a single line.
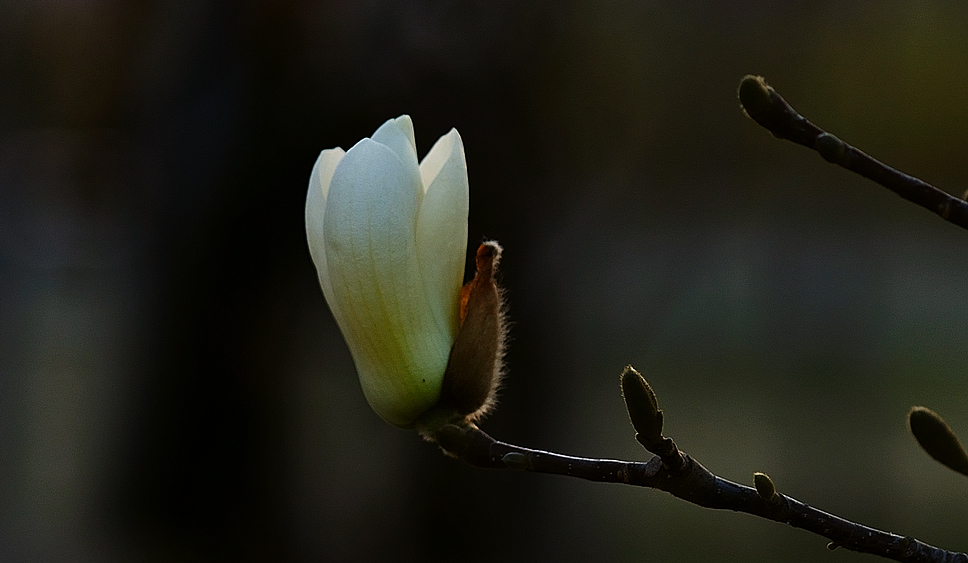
[(691, 482), (765, 106)]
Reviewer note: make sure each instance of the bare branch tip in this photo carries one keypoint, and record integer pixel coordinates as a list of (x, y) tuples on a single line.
[(756, 98)]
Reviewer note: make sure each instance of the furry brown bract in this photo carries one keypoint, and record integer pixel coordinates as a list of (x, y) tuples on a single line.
[(474, 368)]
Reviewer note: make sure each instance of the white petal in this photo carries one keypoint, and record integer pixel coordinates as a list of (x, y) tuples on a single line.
[(319, 182), (397, 134), (442, 229), (399, 350), (442, 150)]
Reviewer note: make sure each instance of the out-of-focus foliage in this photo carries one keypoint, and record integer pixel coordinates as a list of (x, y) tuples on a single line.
[(173, 388)]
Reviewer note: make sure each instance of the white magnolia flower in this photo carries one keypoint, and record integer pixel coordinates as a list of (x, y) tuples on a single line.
[(389, 237)]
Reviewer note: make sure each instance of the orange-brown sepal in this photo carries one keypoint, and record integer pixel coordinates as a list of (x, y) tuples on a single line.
[(473, 371)]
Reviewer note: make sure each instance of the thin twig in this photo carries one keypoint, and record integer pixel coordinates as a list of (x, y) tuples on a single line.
[(765, 106), (691, 482)]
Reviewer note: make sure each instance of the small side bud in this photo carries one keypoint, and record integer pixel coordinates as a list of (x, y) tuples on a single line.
[(473, 372), (516, 461), (936, 437), (643, 408), (764, 486), (831, 148)]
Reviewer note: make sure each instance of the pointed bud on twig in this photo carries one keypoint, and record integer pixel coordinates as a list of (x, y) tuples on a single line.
[(643, 408), (937, 438), (764, 486)]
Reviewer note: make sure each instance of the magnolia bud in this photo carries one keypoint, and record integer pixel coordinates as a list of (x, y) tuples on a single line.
[(389, 237)]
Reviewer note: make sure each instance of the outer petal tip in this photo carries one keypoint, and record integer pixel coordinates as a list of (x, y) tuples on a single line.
[(450, 147), (319, 182), (399, 136)]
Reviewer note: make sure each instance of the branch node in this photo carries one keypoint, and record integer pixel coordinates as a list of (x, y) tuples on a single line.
[(831, 148), (451, 439), (516, 461), (653, 466)]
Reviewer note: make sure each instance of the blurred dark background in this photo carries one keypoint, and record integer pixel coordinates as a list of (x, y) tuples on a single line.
[(173, 387)]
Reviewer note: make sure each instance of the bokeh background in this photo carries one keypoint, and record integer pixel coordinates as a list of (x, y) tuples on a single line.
[(173, 387)]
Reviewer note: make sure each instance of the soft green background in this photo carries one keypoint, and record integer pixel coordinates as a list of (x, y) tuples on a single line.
[(173, 388)]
